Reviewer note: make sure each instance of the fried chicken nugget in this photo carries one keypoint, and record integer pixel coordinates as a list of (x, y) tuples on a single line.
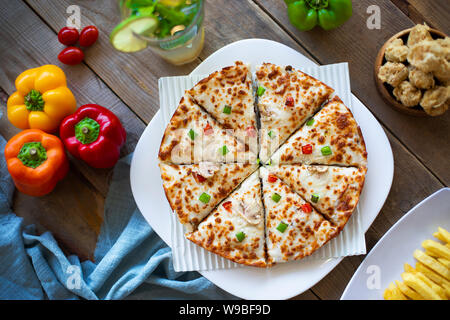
[(393, 73), (420, 79), (443, 72), (436, 101), (427, 56), (419, 33), (407, 94), (396, 51), (445, 43)]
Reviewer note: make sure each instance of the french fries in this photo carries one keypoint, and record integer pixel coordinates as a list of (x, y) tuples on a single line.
[(445, 235), (432, 263), (420, 286), (445, 262), (430, 279), (436, 278), (393, 293), (408, 292), (436, 248)]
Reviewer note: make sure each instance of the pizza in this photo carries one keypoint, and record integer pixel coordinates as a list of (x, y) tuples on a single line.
[(331, 137), (235, 228), (227, 95), (194, 190), (286, 99), (265, 187), (334, 191), (294, 229), (193, 136)]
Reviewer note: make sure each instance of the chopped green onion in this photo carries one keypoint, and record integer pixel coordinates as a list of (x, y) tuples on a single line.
[(326, 151), (270, 134), (224, 150), (192, 134), (204, 197), (276, 197), (269, 162), (260, 91), (282, 227), (240, 236), (310, 122), (227, 109), (258, 161), (315, 198)]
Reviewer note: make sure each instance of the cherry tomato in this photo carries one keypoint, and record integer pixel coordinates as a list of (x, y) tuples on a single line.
[(71, 55), (88, 36), (68, 36)]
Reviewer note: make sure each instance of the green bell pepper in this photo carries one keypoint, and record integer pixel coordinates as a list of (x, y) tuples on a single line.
[(329, 14)]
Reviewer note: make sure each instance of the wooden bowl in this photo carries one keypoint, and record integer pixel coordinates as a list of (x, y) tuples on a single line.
[(385, 89)]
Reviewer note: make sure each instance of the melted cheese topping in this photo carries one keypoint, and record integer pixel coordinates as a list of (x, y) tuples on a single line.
[(230, 87), (337, 188), (217, 233), (186, 141), (335, 127), (305, 232), (183, 190), (279, 116)]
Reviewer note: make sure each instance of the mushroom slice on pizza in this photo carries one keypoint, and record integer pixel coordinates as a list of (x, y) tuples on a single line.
[(235, 229)]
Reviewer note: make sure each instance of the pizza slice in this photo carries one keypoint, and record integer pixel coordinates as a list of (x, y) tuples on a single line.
[(235, 229), (331, 137), (194, 190), (294, 229), (227, 95), (286, 99), (333, 191), (192, 136)]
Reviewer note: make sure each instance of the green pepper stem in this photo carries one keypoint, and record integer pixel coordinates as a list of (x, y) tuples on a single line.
[(34, 101), (32, 154), (87, 130), (317, 4)]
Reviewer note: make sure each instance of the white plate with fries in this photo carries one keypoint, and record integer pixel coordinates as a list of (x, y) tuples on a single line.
[(412, 260)]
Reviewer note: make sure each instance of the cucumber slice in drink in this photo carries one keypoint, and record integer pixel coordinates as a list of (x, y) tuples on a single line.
[(122, 37)]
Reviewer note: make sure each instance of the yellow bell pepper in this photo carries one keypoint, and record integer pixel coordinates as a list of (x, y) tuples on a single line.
[(42, 99)]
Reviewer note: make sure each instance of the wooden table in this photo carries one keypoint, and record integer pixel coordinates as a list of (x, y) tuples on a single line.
[(128, 85)]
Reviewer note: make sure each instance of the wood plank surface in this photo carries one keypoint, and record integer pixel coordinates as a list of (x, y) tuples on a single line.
[(435, 13), (355, 43), (73, 212)]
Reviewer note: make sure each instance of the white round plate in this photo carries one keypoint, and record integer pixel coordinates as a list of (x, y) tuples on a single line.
[(282, 281), (384, 263)]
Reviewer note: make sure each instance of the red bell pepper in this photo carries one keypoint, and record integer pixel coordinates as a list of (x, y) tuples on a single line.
[(93, 134)]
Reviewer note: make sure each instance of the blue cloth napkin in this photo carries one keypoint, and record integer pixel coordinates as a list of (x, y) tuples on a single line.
[(131, 261)]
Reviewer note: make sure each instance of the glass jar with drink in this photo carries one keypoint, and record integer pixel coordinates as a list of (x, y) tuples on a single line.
[(171, 28)]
